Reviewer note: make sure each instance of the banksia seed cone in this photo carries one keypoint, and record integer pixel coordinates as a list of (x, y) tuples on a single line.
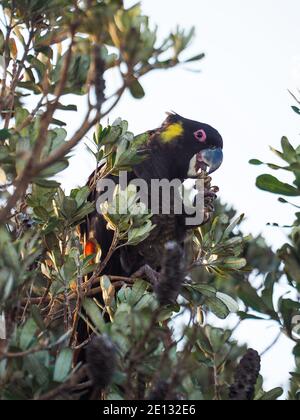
[(245, 377), (101, 361), (172, 274), (210, 195), (99, 82)]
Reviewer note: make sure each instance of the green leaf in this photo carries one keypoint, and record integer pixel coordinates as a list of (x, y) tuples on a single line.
[(83, 212), (289, 152), (250, 297), (244, 316), (28, 333), (277, 153), (204, 289), (46, 183), (41, 213), (54, 169), (140, 140), (37, 316), (231, 304), (67, 107), (138, 290), (272, 395), (197, 57), (203, 342), (232, 226), (63, 365), (113, 134), (234, 263), (136, 90), (138, 235), (296, 109), (60, 123), (217, 307), (255, 162), (37, 369), (94, 313), (4, 134), (271, 184), (69, 207), (82, 196)]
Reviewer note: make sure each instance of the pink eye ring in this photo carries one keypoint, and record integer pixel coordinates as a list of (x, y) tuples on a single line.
[(200, 135)]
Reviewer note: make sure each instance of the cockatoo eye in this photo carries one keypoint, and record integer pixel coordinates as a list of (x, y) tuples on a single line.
[(200, 135)]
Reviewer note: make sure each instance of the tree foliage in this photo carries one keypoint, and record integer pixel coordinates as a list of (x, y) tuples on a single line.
[(147, 343)]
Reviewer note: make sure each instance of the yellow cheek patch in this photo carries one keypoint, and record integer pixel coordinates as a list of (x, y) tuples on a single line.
[(172, 132)]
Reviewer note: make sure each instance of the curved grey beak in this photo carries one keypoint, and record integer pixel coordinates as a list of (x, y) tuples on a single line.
[(210, 158)]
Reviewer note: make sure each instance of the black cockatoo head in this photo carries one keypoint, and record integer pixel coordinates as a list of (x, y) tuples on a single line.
[(192, 143), (180, 148)]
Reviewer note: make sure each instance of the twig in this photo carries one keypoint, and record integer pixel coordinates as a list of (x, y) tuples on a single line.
[(31, 168), (216, 380), (73, 384), (66, 147), (274, 342)]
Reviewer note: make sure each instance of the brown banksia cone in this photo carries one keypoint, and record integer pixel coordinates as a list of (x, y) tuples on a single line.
[(99, 82), (210, 196), (172, 274), (101, 361), (245, 378)]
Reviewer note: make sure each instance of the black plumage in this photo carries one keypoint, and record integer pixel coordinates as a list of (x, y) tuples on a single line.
[(169, 151), (168, 154)]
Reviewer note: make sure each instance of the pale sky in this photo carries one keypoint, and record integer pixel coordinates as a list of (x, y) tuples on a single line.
[(252, 57)]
